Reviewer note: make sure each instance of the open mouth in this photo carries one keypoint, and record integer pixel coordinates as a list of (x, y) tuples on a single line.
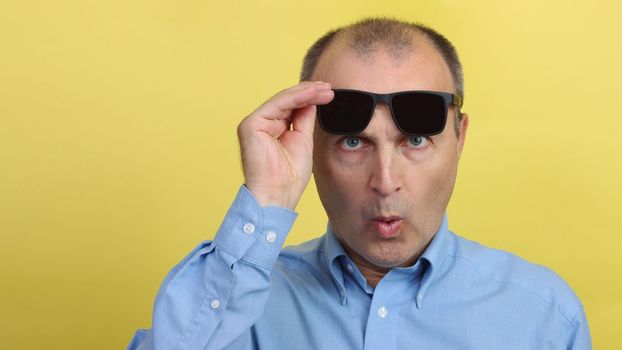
[(387, 227)]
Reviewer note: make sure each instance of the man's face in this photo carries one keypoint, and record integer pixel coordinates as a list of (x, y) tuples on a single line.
[(385, 192)]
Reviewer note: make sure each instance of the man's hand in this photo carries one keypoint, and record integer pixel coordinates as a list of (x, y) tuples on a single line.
[(276, 143)]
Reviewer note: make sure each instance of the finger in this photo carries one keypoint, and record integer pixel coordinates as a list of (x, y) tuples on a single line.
[(304, 119), (303, 85), (305, 115), (321, 97), (284, 103)]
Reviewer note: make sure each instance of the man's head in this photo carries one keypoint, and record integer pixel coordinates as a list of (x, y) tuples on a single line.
[(397, 37), (385, 192)]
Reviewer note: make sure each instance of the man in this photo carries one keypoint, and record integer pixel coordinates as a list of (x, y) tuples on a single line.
[(388, 274)]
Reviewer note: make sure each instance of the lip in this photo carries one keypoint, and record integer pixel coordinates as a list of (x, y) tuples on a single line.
[(387, 226)]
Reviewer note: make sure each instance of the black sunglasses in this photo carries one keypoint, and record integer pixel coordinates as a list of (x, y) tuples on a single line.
[(420, 113)]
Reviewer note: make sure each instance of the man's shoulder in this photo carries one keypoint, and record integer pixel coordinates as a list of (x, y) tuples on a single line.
[(309, 251), (302, 267), (503, 267)]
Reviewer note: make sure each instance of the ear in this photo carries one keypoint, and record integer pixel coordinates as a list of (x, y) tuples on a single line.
[(464, 126)]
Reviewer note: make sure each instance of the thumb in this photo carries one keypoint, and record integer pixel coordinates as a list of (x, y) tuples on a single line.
[(304, 121)]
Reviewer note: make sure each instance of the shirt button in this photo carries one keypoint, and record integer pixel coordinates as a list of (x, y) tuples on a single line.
[(383, 312), (271, 236), (248, 228), (350, 268), (419, 298), (215, 304)]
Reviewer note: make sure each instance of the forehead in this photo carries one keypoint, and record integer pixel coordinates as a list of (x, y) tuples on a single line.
[(419, 68)]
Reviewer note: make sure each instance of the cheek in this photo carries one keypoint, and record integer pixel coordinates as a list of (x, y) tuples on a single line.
[(345, 176), (339, 183), (439, 175)]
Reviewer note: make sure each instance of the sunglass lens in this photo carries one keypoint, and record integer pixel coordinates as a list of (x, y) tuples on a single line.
[(420, 113), (348, 113)]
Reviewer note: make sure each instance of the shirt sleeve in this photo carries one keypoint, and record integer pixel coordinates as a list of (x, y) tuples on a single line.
[(580, 338), (216, 293)]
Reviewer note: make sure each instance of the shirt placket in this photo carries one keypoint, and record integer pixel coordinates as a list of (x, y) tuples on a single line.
[(383, 320)]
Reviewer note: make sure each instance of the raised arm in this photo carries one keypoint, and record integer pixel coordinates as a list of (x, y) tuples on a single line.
[(212, 298)]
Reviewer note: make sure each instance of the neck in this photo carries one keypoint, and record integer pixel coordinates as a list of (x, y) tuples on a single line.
[(372, 273)]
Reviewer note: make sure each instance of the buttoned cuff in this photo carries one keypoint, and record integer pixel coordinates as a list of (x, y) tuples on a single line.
[(253, 233)]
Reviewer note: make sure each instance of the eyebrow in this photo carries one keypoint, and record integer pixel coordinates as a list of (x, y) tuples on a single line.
[(363, 134), (366, 135)]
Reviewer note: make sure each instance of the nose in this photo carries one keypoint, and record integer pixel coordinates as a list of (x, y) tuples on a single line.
[(386, 177), (386, 167)]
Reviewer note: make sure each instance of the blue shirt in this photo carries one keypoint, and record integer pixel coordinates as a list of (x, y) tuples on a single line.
[(240, 291)]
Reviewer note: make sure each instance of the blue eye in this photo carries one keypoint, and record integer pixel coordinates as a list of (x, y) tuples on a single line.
[(416, 140), (351, 142)]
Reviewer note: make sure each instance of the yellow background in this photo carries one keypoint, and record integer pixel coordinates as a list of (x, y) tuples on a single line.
[(119, 154)]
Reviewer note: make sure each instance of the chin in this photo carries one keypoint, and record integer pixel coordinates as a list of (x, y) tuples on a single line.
[(388, 253), (386, 262)]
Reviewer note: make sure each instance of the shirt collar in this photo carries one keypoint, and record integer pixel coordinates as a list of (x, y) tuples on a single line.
[(333, 250), (434, 255)]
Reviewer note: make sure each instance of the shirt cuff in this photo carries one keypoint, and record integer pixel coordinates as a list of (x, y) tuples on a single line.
[(253, 233)]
